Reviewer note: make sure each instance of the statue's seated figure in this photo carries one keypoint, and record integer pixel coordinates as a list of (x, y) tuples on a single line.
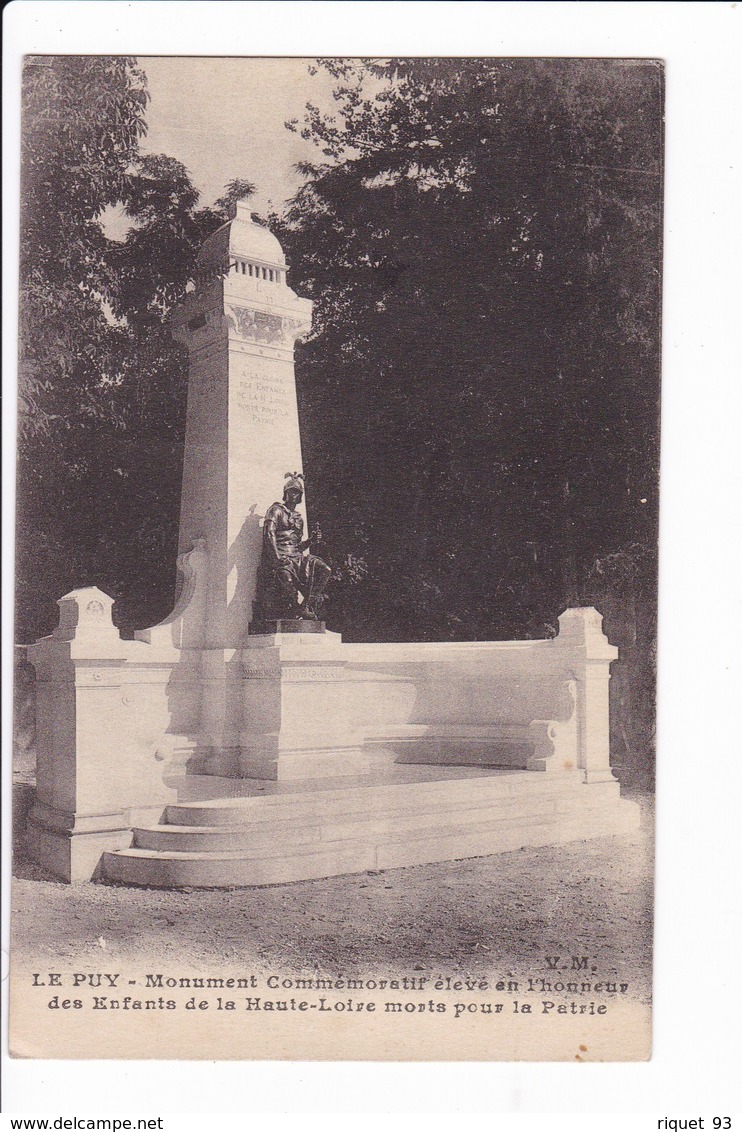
[(288, 571)]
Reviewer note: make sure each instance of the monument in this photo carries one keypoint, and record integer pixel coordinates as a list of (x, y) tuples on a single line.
[(242, 429), (242, 742)]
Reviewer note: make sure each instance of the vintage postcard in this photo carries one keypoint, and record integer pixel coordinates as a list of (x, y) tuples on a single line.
[(336, 558)]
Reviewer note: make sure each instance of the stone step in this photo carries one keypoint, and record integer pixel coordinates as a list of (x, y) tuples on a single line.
[(382, 849), (258, 839), (381, 799), (225, 870), (505, 837), (221, 838), (295, 829)]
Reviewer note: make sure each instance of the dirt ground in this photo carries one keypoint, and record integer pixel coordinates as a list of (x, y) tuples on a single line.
[(501, 913)]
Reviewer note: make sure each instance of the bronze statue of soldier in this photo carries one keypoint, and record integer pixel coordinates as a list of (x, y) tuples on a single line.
[(288, 571)]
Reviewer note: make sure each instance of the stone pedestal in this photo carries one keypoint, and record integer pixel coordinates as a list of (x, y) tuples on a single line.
[(286, 625), (298, 713)]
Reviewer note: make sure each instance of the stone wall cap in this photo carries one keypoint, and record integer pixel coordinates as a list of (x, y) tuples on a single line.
[(85, 592), (583, 626), (86, 610)]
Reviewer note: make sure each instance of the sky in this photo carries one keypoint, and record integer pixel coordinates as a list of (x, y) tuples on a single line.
[(224, 118)]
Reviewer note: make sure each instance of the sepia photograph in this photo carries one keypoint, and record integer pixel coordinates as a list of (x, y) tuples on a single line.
[(337, 516)]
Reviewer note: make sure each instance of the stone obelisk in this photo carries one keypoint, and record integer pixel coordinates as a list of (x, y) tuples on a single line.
[(267, 707), (240, 324)]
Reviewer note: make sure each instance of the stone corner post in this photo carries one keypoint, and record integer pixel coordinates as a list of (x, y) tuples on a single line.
[(589, 655), (91, 777)]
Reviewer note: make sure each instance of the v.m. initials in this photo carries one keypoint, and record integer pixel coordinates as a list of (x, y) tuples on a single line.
[(578, 963)]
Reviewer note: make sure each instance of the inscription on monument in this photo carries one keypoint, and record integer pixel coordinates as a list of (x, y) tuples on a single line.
[(264, 393), (265, 400)]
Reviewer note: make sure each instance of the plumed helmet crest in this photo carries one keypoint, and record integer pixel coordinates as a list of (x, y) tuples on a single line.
[(293, 479)]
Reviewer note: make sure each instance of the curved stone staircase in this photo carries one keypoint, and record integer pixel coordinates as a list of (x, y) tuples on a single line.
[(232, 832)]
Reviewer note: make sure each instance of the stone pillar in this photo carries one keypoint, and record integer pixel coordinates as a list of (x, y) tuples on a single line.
[(242, 431), (94, 776), (581, 632)]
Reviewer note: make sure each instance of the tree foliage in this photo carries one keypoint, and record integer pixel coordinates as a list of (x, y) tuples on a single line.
[(481, 239), (102, 385)]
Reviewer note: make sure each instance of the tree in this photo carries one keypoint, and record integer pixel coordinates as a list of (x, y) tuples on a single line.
[(82, 120), (102, 386), (481, 239)]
